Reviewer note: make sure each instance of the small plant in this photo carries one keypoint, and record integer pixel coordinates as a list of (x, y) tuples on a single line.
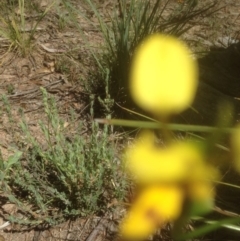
[(13, 26), (68, 175)]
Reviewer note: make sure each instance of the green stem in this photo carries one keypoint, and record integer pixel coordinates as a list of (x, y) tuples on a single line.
[(159, 125)]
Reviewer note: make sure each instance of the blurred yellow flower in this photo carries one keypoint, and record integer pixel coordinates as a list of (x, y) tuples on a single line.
[(156, 204), (163, 77)]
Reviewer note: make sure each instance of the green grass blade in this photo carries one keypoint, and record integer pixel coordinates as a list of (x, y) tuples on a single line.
[(209, 227)]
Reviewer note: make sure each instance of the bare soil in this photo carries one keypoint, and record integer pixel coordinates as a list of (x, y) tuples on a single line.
[(60, 61)]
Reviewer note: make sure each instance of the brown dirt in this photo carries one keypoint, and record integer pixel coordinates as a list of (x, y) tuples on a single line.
[(60, 62)]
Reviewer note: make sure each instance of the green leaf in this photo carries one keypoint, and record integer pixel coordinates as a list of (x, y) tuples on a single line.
[(13, 159), (200, 207)]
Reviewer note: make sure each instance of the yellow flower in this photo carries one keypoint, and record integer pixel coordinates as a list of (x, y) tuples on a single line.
[(156, 204), (163, 76), (163, 81)]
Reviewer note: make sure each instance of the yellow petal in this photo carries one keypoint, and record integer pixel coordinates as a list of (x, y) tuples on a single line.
[(148, 163), (155, 205), (164, 75)]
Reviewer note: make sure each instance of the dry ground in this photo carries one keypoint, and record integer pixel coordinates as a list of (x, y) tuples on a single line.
[(60, 61)]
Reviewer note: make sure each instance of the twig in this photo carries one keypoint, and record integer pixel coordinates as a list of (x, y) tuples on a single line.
[(35, 89), (226, 212), (99, 232), (5, 225)]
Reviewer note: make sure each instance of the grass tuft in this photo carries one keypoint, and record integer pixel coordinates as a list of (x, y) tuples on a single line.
[(13, 28), (69, 175)]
